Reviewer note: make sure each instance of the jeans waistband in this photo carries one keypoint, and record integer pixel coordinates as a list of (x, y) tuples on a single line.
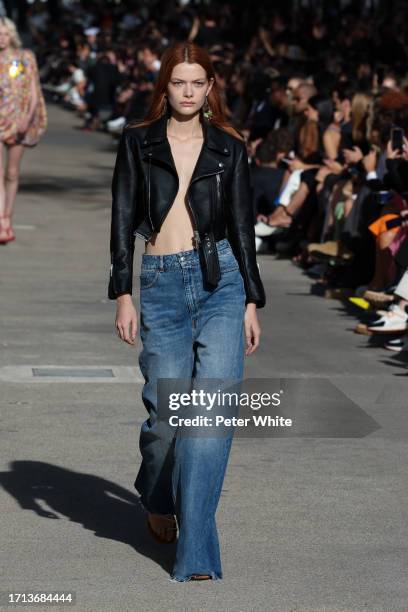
[(177, 259)]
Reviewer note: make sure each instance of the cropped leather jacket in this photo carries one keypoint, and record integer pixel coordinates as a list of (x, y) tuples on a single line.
[(145, 184)]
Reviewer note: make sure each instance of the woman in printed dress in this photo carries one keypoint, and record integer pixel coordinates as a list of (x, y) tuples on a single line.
[(23, 117)]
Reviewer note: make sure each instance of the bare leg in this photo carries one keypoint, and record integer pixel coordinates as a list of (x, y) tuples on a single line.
[(2, 187), (3, 221), (15, 153), (279, 217)]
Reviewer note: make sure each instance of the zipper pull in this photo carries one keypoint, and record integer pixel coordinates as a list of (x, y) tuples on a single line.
[(197, 237), (218, 186)]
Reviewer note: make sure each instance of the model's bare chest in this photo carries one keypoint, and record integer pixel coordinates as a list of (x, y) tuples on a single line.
[(185, 155)]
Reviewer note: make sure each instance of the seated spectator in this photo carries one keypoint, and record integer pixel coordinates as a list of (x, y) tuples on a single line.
[(268, 173)]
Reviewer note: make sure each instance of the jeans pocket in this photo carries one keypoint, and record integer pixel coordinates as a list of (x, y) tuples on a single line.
[(148, 277), (228, 261)]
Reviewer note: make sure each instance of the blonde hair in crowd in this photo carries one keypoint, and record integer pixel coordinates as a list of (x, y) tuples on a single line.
[(361, 116), (15, 40)]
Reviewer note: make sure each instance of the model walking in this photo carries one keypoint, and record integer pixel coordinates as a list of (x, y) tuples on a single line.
[(23, 117), (181, 183)]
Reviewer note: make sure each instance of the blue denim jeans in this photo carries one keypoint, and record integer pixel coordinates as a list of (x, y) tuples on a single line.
[(187, 331)]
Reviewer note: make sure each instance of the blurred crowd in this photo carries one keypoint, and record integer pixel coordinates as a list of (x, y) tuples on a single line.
[(322, 99)]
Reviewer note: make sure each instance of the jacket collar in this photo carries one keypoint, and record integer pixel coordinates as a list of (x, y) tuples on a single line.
[(157, 148), (214, 137)]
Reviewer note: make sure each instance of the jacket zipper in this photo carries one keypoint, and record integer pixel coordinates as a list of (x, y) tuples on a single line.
[(218, 187), (148, 187), (196, 233)]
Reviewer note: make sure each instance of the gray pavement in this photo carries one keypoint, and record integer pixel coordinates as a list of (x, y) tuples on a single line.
[(306, 525)]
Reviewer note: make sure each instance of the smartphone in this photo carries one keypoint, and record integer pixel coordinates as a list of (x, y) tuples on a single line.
[(397, 135), (394, 222)]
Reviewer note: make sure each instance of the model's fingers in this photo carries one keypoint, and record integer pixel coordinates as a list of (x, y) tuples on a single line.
[(120, 332), (249, 338), (257, 337), (133, 329), (126, 334), (248, 333), (121, 329)]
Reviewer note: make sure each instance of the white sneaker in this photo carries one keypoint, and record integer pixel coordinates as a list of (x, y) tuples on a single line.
[(262, 229), (397, 345), (116, 125), (63, 87), (394, 321)]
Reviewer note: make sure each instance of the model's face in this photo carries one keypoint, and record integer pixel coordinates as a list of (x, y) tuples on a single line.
[(4, 37), (187, 88)]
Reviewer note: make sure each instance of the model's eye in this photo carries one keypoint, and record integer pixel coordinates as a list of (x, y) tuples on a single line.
[(177, 83), (199, 83)]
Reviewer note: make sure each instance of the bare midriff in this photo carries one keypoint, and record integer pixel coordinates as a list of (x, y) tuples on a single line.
[(177, 230)]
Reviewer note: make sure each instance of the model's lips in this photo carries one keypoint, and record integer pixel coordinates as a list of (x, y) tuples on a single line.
[(187, 103)]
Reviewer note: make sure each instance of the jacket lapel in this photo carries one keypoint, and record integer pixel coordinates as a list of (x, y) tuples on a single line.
[(157, 148)]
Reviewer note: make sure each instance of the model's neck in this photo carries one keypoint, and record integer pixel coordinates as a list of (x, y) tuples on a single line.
[(184, 127)]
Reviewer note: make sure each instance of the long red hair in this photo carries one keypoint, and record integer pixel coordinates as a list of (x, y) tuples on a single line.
[(193, 54)]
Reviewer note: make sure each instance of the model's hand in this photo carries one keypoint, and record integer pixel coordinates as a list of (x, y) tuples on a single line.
[(23, 125), (252, 329), (126, 319)]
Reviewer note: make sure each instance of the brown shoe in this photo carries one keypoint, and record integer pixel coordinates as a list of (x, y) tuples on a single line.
[(330, 249), (172, 527), (363, 330), (201, 577)]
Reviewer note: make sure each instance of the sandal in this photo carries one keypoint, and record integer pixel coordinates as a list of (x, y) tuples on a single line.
[(6, 234), (173, 528), (201, 577)]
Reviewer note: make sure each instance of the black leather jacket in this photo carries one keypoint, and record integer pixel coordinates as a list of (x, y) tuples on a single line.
[(145, 184)]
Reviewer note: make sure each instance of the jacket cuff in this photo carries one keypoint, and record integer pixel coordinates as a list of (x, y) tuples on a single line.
[(120, 280)]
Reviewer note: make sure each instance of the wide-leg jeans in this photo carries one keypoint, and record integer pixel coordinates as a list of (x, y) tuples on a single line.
[(195, 332)]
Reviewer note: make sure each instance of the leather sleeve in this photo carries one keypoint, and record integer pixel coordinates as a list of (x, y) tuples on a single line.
[(241, 230), (122, 239)]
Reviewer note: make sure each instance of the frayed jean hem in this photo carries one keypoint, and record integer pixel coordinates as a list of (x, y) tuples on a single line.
[(213, 575)]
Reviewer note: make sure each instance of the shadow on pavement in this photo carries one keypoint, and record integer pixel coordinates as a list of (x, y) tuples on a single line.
[(101, 506)]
